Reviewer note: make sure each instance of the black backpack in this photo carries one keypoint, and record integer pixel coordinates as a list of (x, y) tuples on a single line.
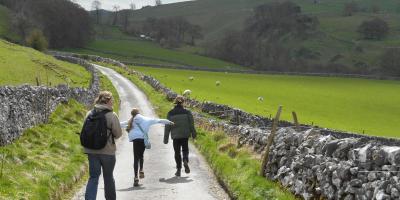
[(94, 131)]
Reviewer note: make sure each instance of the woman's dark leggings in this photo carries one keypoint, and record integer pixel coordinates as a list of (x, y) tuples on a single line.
[(138, 151), (178, 145)]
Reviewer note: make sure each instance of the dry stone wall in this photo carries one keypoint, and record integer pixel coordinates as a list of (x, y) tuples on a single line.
[(25, 106), (314, 162), (316, 165)]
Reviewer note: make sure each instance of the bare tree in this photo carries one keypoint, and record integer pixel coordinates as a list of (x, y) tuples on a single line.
[(126, 14), (194, 33), (158, 2), (116, 10), (125, 19), (96, 5), (350, 8), (132, 6)]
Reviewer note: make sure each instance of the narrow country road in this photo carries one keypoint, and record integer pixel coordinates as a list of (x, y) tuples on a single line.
[(159, 164)]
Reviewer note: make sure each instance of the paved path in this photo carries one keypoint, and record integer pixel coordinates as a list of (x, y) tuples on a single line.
[(159, 164)]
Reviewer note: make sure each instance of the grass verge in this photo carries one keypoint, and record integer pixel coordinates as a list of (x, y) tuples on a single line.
[(105, 84), (237, 168), (47, 160)]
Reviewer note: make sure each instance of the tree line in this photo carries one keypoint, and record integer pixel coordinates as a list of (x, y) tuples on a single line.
[(170, 32), (260, 43), (60, 23), (272, 39)]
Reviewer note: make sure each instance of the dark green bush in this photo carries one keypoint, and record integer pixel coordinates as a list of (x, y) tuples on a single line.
[(37, 40)]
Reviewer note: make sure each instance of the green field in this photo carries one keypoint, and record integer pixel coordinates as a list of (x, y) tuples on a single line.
[(112, 43), (22, 65), (347, 104), (132, 50)]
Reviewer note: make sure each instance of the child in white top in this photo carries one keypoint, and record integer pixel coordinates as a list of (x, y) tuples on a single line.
[(138, 127)]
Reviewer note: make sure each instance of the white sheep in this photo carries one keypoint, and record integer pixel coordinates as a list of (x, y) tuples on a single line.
[(260, 98), (217, 83), (187, 93), (191, 78)]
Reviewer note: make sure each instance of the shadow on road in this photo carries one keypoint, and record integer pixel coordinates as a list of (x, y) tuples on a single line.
[(176, 180), (132, 189)]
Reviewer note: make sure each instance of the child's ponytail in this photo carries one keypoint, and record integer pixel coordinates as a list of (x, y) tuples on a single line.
[(134, 112)]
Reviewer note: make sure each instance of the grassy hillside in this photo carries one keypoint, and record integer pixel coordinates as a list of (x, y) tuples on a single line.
[(111, 42), (216, 16), (355, 105), (19, 65), (337, 39)]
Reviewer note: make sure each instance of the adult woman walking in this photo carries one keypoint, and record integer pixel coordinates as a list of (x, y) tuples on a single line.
[(101, 158), (138, 127)]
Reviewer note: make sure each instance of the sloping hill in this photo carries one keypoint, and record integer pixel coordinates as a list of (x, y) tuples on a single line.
[(337, 45), (111, 42), (19, 65), (218, 16)]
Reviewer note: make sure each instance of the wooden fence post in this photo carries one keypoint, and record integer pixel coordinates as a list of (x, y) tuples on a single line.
[(3, 159), (270, 140), (296, 122), (37, 81)]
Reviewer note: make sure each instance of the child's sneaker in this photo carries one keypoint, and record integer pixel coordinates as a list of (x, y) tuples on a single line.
[(136, 182)]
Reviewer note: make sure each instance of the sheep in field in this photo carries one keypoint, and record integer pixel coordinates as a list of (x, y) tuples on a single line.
[(187, 93)]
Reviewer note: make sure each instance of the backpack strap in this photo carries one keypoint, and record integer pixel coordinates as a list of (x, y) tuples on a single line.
[(141, 129), (104, 112)]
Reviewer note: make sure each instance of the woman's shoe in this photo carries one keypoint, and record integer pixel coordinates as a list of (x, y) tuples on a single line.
[(186, 165), (136, 182), (141, 174), (178, 173)]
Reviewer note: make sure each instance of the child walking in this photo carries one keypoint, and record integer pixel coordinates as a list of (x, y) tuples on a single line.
[(137, 127)]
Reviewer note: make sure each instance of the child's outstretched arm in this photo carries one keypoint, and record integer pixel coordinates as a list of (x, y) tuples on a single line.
[(124, 124), (165, 121)]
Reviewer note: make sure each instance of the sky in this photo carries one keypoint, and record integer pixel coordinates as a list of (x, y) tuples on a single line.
[(123, 4)]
